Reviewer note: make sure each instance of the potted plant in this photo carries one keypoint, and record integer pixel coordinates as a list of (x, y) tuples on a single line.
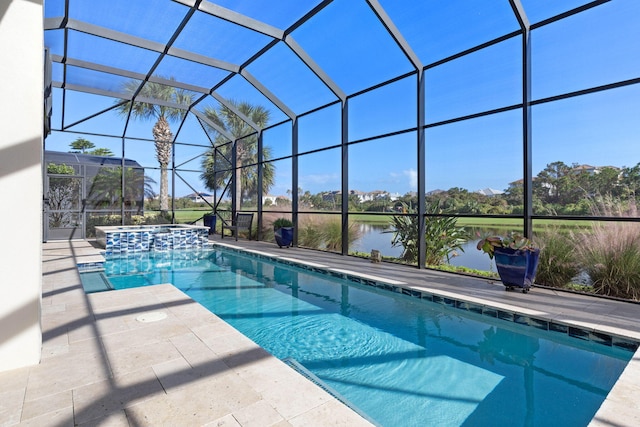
[(516, 259), (209, 220), (283, 231)]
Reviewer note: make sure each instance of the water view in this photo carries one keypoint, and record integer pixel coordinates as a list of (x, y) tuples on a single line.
[(375, 237)]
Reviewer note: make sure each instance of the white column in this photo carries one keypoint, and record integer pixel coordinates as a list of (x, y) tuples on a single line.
[(21, 118)]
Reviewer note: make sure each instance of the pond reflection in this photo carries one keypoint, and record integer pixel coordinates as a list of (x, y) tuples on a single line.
[(375, 237)]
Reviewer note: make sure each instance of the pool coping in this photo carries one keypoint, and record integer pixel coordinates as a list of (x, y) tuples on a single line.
[(150, 356)]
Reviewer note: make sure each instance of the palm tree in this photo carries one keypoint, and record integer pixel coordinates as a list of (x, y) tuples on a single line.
[(106, 189), (217, 162), (162, 134), (81, 145)]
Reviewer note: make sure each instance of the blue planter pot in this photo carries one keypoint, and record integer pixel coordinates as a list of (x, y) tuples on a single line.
[(517, 268), (284, 236), (210, 221)]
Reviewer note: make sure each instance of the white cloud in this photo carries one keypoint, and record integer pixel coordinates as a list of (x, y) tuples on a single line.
[(310, 182), (413, 178)]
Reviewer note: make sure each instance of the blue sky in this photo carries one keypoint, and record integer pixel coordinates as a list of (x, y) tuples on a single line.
[(594, 48)]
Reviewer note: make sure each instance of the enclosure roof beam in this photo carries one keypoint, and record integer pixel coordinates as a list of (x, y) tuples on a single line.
[(395, 33), (267, 93), (214, 126), (232, 107), (240, 19), (73, 24), (315, 68)]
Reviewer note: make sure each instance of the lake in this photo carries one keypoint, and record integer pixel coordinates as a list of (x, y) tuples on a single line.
[(374, 237)]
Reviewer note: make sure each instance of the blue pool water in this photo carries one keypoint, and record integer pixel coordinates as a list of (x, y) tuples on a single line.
[(400, 360)]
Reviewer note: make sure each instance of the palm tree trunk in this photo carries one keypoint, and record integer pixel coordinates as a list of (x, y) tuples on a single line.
[(239, 147), (164, 189), (163, 140), (238, 185)]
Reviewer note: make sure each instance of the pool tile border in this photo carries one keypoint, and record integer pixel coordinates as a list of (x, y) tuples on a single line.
[(538, 322), (89, 267)]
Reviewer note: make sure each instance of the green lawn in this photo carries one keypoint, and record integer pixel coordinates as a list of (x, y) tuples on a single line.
[(190, 215), (184, 216)]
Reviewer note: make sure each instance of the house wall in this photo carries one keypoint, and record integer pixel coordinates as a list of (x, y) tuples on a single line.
[(21, 112)]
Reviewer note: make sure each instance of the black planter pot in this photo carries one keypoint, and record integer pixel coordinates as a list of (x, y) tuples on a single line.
[(284, 236), (517, 268)]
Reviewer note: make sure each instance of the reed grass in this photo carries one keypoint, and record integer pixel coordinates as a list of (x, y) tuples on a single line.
[(610, 251), (558, 262)]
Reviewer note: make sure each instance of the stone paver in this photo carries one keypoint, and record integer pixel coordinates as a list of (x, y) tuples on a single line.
[(146, 357)]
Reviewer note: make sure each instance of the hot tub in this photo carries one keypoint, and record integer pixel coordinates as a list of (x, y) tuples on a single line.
[(141, 238)]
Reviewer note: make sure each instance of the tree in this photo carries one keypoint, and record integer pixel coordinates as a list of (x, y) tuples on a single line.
[(606, 182), (630, 180), (217, 163), (104, 152), (84, 146), (106, 189), (63, 194), (162, 134), (81, 145), (554, 183), (283, 201)]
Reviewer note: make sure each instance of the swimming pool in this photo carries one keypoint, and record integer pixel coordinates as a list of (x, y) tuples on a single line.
[(401, 360)]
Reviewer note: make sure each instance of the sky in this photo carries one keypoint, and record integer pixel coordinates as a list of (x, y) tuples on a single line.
[(593, 48)]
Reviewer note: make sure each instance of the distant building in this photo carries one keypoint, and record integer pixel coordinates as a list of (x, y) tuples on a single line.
[(591, 170), (270, 198), (67, 213), (200, 197), (594, 170), (87, 165), (369, 196), (329, 196), (490, 192)]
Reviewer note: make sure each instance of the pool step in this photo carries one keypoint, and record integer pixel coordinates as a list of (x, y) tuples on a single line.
[(95, 281)]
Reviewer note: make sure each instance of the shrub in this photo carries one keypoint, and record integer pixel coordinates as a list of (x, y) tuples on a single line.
[(405, 234), (610, 251), (309, 235), (282, 222), (325, 233), (610, 254), (443, 236), (558, 260)]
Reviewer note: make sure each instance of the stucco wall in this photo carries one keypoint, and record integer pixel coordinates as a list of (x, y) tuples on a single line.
[(21, 84)]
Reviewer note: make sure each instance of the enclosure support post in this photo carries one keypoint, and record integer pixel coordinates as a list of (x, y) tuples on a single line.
[(295, 181), (259, 189), (527, 168), (421, 184), (345, 178)]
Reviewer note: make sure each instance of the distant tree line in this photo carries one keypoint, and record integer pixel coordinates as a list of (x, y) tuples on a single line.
[(559, 189)]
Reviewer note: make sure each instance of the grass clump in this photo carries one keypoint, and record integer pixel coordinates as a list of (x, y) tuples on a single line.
[(610, 252), (611, 257), (558, 262), (325, 233)]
